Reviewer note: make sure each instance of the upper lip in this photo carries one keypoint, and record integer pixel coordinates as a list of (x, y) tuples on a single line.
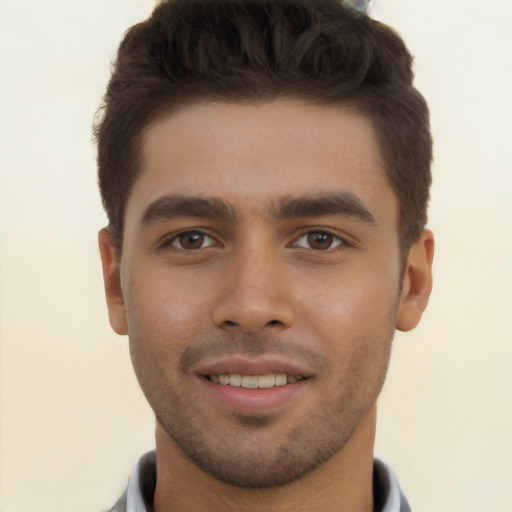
[(251, 366)]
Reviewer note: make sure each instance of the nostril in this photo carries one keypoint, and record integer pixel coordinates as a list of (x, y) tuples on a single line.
[(271, 323)]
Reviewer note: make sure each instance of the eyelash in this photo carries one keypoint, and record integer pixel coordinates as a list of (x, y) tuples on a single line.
[(336, 241)]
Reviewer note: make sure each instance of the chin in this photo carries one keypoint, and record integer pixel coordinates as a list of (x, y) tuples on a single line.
[(253, 458)]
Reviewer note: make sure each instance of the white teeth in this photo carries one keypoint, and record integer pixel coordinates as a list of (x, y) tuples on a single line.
[(254, 381), (224, 380), (250, 381), (235, 380), (266, 381), (281, 379)]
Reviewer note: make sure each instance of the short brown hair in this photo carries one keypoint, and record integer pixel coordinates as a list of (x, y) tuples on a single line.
[(236, 50)]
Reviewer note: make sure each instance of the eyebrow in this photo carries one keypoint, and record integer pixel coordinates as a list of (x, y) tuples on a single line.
[(175, 206), (329, 203)]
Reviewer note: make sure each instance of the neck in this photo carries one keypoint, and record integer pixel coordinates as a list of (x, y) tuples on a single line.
[(342, 484)]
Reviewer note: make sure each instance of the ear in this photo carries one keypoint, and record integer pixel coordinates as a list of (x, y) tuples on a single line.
[(416, 283), (112, 281)]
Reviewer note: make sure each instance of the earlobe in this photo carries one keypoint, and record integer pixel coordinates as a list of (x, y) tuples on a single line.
[(417, 282), (112, 282)]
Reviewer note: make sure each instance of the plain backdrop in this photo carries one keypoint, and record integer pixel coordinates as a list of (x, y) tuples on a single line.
[(72, 419)]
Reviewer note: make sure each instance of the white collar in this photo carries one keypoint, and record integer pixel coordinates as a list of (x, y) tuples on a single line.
[(134, 499), (393, 501)]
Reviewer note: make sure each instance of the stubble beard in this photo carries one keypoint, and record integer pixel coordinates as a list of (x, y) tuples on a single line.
[(248, 462), (245, 457)]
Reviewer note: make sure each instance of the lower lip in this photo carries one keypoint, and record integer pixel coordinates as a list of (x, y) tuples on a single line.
[(245, 400)]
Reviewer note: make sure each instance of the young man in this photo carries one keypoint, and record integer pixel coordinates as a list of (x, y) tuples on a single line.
[(265, 167)]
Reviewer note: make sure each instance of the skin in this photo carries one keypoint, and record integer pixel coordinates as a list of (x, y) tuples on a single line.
[(269, 277)]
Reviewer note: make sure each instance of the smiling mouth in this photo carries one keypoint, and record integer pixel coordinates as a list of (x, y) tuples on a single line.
[(254, 381)]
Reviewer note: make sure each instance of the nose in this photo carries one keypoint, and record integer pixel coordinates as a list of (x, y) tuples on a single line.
[(255, 295)]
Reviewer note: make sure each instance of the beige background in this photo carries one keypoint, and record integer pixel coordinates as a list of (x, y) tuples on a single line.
[(73, 421)]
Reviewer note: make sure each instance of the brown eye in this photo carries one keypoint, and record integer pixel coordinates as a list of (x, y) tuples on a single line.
[(192, 240), (319, 240)]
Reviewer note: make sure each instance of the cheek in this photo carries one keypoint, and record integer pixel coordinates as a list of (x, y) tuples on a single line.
[(355, 303), (355, 320), (164, 315), (163, 299), (356, 328)]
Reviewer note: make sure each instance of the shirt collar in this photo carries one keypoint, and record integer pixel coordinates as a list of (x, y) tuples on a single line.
[(385, 479), (141, 485)]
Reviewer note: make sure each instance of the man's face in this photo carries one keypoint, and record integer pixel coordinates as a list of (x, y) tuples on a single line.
[(260, 248)]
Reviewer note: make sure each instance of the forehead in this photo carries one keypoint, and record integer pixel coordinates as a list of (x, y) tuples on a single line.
[(252, 155)]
